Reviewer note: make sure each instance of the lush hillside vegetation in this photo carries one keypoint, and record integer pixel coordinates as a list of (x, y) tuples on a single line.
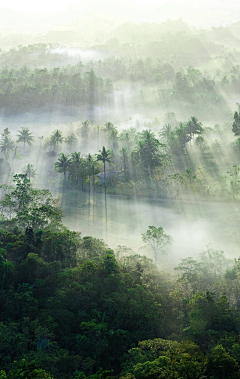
[(143, 111)]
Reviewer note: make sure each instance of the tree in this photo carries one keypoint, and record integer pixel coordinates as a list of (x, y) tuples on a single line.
[(89, 166), (104, 156), (29, 171), (236, 123), (109, 126), (75, 167), (157, 240), (6, 268), (25, 136), (147, 152), (6, 142), (71, 140), (222, 365), (28, 207), (56, 138), (183, 134), (85, 132), (194, 127), (62, 164), (124, 161), (233, 181), (201, 144), (26, 370), (78, 168), (93, 168), (165, 132), (4, 168)]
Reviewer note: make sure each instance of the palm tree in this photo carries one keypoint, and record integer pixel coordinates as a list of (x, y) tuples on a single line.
[(194, 127), (25, 136), (7, 145), (165, 132), (147, 152), (124, 160), (85, 132), (109, 126), (71, 140), (62, 164), (112, 135), (56, 138), (29, 171), (89, 164), (76, 167), (104, 156)]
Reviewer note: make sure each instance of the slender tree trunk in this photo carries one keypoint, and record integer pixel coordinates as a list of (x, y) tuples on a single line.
[(104, 170)]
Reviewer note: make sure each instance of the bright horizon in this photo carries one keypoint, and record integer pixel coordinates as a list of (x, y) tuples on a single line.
[(40, 17), (92, 5)]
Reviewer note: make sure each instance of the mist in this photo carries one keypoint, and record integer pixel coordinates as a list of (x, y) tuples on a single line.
[(119, 189)]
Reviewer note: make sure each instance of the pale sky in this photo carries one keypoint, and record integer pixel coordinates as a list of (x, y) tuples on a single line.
[(91, 5), (40, 16)]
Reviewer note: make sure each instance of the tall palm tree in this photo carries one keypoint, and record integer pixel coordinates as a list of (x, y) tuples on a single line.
[(112, 135), (109, 126), (56, 138), (124, 159), (7, 145), (165, 132), (147, 152), (104, 156), (75, 165), (89, 167), (25, 136), (194, 127), (62, 164), (71, 140)]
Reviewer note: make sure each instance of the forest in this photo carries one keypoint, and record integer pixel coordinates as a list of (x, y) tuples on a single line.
[(119, 203)]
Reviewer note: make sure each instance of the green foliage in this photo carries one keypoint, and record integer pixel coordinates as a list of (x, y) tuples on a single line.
[(29, 171), (6, 143), (104, 156), (25, 136), (29, 207), (26, 370), (236, 124), (158, 240), (165, 359), (69, 309), (63, 164)]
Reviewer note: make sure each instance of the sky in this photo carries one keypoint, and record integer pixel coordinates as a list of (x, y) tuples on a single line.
[(41, 16), (91, 5)]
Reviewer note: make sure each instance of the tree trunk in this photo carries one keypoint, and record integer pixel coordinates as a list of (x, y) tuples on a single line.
[(104, 170)]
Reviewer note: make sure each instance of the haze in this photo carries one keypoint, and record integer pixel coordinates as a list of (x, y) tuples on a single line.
[(37, 14)]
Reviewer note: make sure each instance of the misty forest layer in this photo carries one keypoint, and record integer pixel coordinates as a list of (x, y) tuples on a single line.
[(119, 207)]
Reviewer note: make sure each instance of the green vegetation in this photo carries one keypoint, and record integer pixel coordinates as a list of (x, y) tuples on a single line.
[(181, 161), (153, 113), (71, 309)]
